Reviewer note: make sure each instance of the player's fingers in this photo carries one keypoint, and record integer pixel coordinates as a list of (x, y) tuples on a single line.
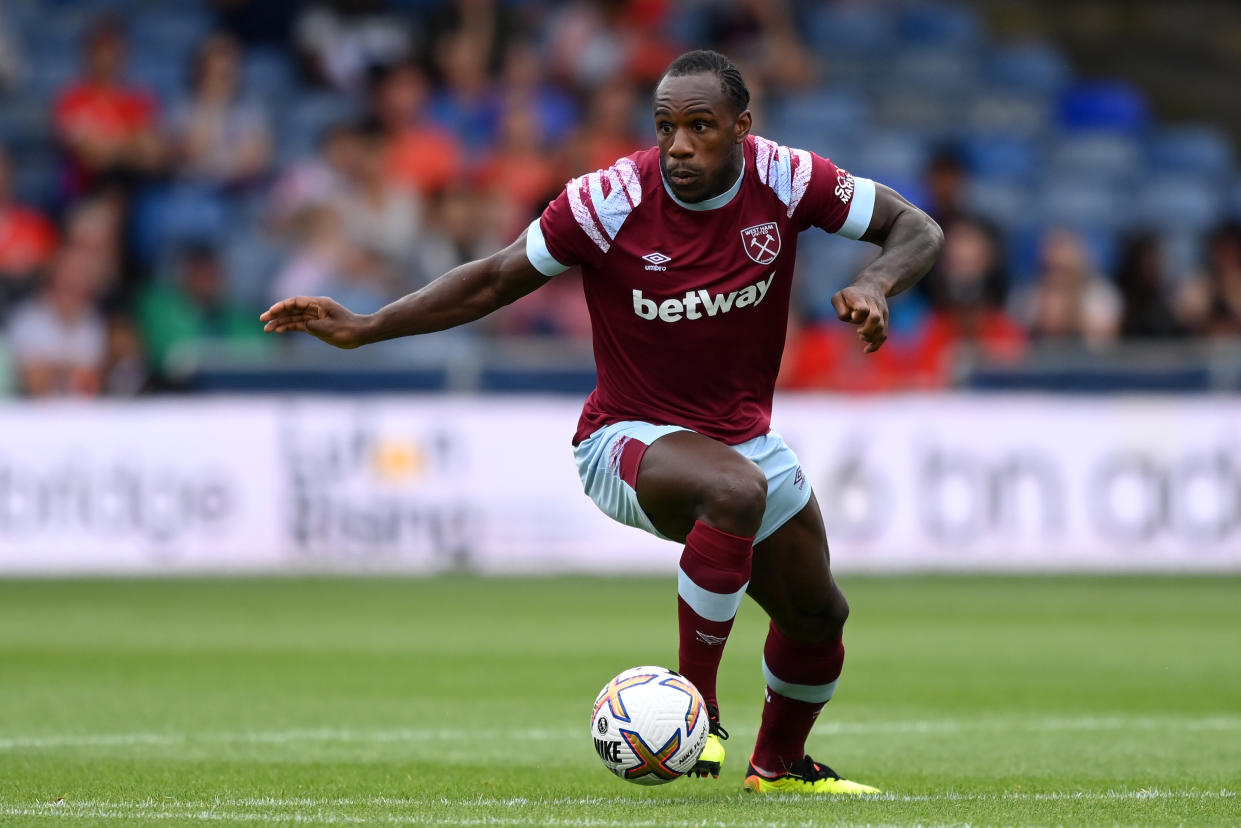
[(876, 345), (293, 305), (299, 319), (875, 325), (841, 306), (859, 315)]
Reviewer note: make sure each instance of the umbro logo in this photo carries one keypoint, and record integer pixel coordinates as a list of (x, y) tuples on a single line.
[(711, 640), (657, 260)]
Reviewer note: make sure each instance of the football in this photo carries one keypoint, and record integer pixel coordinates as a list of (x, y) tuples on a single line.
[(649, 725)]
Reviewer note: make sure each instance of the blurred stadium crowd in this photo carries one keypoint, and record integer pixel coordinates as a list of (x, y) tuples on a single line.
[(168, 168)]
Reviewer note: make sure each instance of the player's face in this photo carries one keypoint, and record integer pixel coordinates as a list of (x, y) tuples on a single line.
[(700, 136)]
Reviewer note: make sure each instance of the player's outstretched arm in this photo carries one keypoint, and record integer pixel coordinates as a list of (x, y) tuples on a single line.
[(461, 295), (911, 241)]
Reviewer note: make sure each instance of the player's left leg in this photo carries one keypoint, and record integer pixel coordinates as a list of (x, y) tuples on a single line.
[(803, 656)]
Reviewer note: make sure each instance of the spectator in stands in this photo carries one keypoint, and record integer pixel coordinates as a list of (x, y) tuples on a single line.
[(823, 355), (459, 230), (381, 218), (339, 41), (27, 241), (609, 131), (467, 103), (94, 226), (59, 339), (1069, 301), (322, 178), (519, 177), (762, 34), (589, 44), (946, 179), (1148, 311), (1213, 307), (967, 315), (523, 85), (11, 63), (106, 126), (492, 24), (191, 310), (327, 260), (422, 156), (218, 136)]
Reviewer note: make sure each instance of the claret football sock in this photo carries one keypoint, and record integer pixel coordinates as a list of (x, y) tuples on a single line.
[(711, 581), (801, 678)]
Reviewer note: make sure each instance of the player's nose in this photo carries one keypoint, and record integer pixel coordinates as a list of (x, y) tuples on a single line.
[(681, 146)]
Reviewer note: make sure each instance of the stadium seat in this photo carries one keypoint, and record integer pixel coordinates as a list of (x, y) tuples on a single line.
[(172, 31), (829, 111), (305, 120), (268, 74), (1194, 150), (1075, 202), (1105, 157), (939, 117), (24, 124), (167, 79), (1003, 157), (1029, 67), (1180, 203), (997, 111), (1104, 105), (851, 28), (251, 260), (940, 70), (1003, 201), (891, 155), (940, 24), (36, 175)]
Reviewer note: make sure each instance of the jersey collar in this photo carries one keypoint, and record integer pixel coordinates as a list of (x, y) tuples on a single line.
[(710, 203)]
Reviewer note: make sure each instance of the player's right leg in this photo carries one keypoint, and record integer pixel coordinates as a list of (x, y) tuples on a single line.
[(697, 489), (689, 488)]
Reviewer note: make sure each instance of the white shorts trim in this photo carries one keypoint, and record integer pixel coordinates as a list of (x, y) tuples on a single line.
[(788, 490)]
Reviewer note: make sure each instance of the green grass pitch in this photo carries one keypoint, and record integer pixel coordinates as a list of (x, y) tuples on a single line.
[(465, 701)]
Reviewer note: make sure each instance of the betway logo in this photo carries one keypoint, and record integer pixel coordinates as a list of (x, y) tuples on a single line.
[(711, 304)]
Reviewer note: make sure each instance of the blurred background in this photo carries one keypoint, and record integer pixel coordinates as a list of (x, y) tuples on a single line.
[(1065, 381)]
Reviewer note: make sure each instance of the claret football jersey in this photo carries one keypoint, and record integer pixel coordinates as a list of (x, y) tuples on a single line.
[(689, 302)]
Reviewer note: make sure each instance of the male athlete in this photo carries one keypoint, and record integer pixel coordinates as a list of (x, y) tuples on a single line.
[(687, 253)]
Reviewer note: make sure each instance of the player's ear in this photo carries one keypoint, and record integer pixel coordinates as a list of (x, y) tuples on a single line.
[(742, 125)]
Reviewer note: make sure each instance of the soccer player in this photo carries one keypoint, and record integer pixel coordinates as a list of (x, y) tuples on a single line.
[(687, 252)]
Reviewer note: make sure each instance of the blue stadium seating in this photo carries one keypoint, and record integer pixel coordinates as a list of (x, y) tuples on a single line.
[(940, 24), (1029, 67), (1003, 157), (1179, 202), (1193, 150), (995, 111), (1104, 105), (1103, 158)]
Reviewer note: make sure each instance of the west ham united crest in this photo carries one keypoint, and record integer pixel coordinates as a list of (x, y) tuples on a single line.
[(762, 242)]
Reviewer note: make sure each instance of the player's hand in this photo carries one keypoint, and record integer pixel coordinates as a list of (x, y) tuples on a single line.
[(318, 316), (867, 308)]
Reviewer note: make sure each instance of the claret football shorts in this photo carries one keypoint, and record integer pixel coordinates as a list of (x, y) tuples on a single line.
[(606, 464)]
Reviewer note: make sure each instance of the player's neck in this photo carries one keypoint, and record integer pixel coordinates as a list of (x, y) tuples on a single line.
[(716, 201)]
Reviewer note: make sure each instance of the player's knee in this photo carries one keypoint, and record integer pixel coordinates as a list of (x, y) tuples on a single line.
[(823, 623), (735, 502)]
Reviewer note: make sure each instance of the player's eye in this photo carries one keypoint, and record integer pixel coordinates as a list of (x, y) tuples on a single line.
[(664, 128), (700, 126)]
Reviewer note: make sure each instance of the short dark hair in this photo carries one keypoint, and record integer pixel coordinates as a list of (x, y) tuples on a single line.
[(705, 61)]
